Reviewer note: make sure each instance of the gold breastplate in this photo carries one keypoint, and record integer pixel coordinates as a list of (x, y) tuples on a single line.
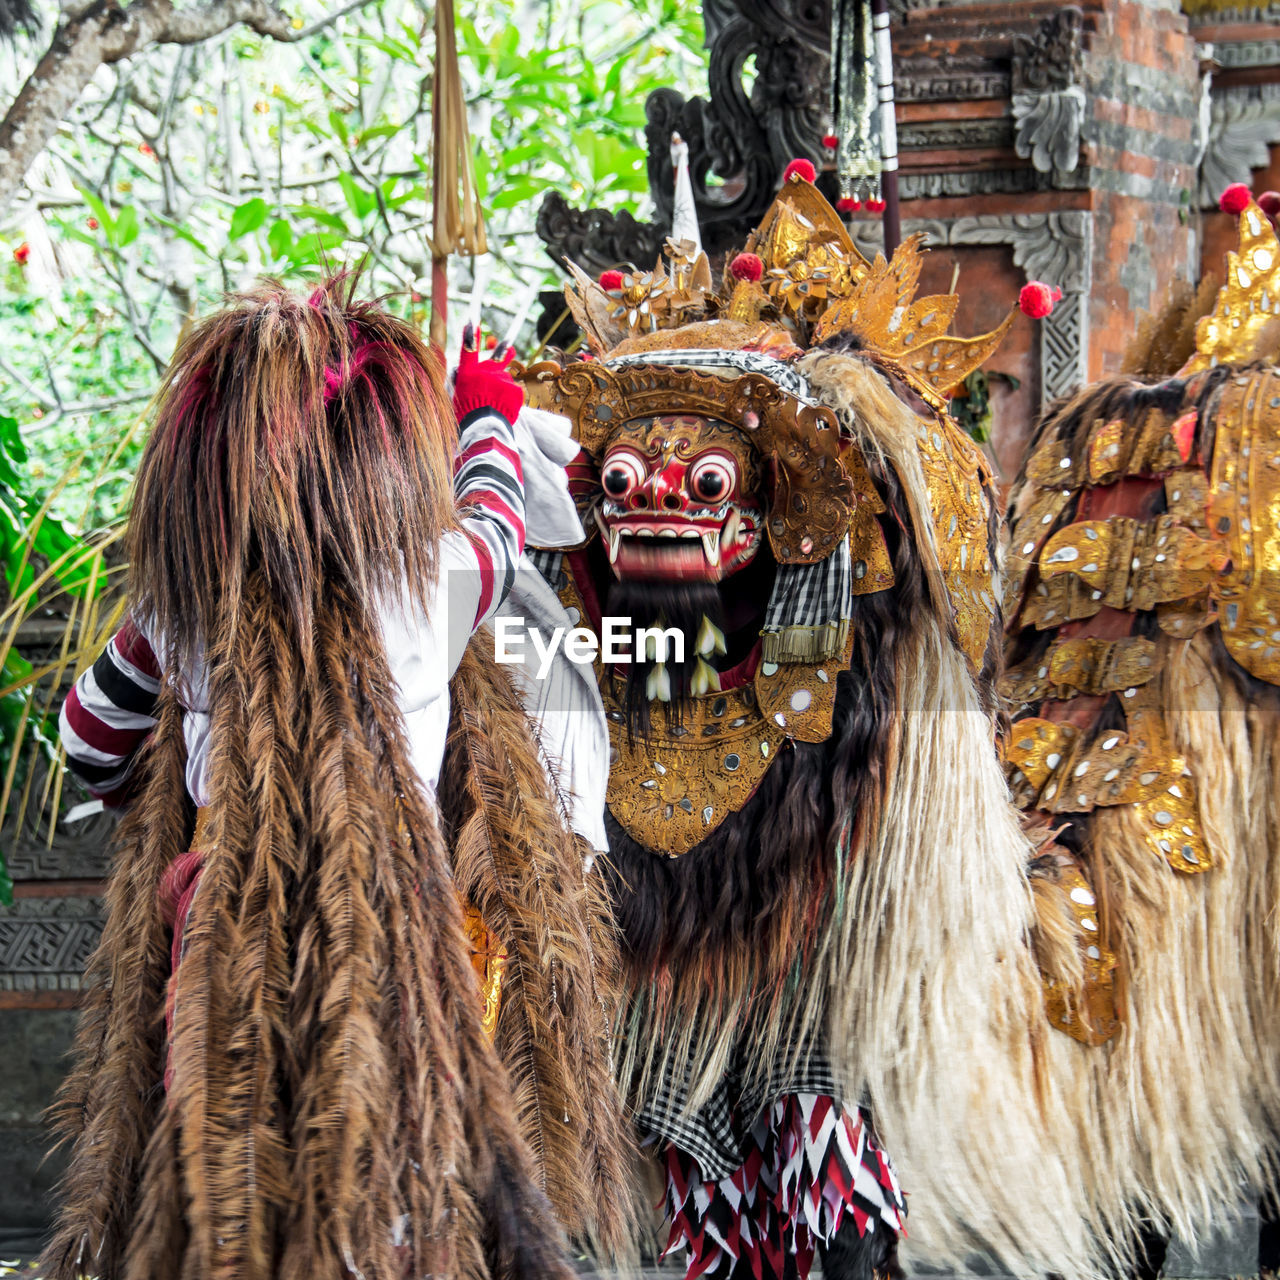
[(671, 789)]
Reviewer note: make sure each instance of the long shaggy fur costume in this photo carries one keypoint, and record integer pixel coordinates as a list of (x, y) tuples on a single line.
[(336, 1107), (872, 897), (1185, 1102), (516, 860), (1186, 1099), (936, 1004)]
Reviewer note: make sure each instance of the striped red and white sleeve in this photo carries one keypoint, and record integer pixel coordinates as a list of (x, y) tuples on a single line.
[(489, 487), (109, 713)]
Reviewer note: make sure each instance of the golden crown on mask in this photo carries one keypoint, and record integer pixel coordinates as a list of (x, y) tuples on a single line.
[(811, 284)]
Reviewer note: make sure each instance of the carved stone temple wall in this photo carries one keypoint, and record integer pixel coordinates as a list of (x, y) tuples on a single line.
[(1084, 145)]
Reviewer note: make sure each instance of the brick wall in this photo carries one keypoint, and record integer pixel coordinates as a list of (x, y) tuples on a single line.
[(1143, 86)]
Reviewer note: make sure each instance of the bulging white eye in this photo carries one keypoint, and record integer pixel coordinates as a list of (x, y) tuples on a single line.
[(622, 472), (712, 478)]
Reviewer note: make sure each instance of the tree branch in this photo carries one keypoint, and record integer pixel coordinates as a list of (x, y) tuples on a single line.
[(104, 33)]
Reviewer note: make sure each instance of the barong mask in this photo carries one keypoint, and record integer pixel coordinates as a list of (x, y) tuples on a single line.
[(733, 484), (680, 499)]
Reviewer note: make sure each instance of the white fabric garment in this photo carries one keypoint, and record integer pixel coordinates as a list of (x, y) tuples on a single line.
[(546, 447), (564, 706), (423, 652)]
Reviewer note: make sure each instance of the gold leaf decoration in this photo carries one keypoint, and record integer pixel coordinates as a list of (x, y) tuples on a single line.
[(1243, 321)]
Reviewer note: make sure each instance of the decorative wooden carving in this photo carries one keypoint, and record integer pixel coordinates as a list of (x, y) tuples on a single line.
[(739, 141)]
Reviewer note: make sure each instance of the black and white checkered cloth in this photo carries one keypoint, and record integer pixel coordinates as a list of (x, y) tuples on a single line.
[(547, 564), (717, 1133), (810, 599)]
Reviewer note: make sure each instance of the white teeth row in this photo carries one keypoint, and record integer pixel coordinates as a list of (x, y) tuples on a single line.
[(713, 544)]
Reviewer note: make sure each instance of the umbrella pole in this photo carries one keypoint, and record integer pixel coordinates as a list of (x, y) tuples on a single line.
[(888, 127)]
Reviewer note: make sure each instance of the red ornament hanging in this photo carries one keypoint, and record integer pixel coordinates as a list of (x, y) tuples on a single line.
[(1036, 299), (802, 169), (1235, 199)]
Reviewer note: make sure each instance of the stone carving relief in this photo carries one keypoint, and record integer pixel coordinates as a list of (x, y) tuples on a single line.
[(78, 850), (1048, 101), (740, 140), (1241, 131), (45, 943), (596, 239)]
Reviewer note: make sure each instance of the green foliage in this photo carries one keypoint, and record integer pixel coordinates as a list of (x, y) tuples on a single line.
[(973, 409), (24, 528), (190, 171)]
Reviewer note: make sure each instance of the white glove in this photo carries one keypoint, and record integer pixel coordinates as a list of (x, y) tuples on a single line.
[(546, 447)]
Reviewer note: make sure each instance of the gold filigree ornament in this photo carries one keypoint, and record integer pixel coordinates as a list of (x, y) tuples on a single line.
[(910, 335), (1244, 514), (1086, 1013), (1245, 322), (489, 960), (800, 223), (1056, 768), (958, 480), (1134, 564), (1081, 665), (671, 789)]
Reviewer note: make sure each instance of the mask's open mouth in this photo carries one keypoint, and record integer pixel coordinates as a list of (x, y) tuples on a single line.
[(702, 544)]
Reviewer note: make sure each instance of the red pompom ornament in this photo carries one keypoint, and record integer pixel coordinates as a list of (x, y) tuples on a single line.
[(491, 342), (746, 266), (830, 141), (1235, 199), (1269, 203), (1036, 299), (610, 280), (875, 206), (22, 253), (847, 204), (802, 169), (93, 224)]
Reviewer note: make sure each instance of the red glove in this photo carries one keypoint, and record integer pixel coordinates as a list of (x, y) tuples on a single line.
[(487, 384)]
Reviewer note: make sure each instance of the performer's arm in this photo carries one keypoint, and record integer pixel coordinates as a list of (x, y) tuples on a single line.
[(488, 485), (109, 713), (489, 488)]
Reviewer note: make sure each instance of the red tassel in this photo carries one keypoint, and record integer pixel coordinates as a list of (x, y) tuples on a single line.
[(1036, 299), (1235, 199)]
